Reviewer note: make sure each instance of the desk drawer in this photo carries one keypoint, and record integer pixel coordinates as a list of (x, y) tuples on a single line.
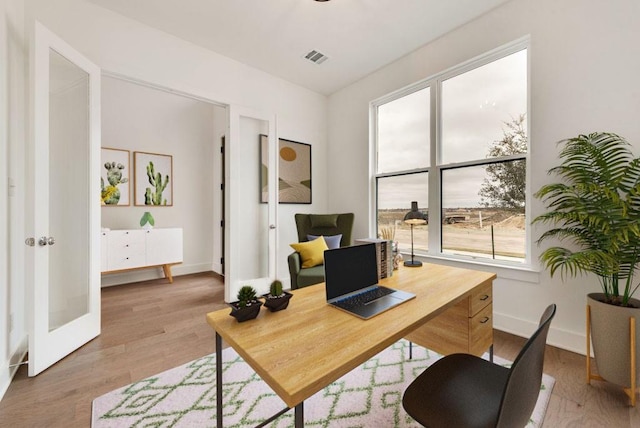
[(480, 299), (481, 331), (465, 327)]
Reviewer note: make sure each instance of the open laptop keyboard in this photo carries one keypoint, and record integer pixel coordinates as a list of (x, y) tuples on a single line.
[(363, 298)]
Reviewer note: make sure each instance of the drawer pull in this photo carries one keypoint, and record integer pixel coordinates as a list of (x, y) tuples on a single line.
[(484, 320), (485, 297)]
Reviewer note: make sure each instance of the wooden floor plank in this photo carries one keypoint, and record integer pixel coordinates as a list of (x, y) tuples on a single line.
[(152, 326)]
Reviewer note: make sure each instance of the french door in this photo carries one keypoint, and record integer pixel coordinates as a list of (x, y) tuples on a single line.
[(63, 224), (251, 212)]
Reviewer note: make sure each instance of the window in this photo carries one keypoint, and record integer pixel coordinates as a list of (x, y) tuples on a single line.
[(464, 134), (404, 135)]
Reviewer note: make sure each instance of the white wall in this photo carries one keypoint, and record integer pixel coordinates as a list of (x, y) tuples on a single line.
[(144, 119), (12, 136), (123, 46), (584, 65)]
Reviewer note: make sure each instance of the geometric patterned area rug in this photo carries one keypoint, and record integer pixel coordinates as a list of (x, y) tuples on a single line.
[(368, 396)]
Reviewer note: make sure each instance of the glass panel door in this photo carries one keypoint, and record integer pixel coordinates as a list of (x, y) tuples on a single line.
[(64, 218), (252, 201), (69, 194)]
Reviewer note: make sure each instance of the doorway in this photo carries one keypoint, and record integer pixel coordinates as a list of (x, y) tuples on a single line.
[(138, 117)]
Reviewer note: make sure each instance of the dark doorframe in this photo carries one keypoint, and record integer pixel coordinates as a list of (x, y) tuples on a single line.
[(222, 199)]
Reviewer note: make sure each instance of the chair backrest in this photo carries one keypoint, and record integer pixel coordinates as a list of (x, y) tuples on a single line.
[(325, 224), (525, 377)]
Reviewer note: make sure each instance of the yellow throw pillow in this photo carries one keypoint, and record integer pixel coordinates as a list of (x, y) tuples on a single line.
[(312, 252)]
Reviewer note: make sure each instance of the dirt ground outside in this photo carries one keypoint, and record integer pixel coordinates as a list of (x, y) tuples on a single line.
[(465, 231)]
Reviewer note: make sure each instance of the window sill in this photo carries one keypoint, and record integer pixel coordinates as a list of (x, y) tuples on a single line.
[(504, 270)]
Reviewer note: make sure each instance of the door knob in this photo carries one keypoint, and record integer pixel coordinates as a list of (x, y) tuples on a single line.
[(272, 226), (43, 241), (30, 242)]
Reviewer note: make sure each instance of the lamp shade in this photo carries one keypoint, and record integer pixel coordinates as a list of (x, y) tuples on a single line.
[(415, 216)]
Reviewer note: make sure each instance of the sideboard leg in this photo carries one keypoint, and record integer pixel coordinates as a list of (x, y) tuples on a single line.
[(167, 273)]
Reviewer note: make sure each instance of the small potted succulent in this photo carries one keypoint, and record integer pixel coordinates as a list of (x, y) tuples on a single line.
[(247, 307), (277, 299)]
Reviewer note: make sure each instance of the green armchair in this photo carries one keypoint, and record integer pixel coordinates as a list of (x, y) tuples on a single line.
[(317, 224)]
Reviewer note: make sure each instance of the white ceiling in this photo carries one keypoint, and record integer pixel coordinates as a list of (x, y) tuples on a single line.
[(358, 36)]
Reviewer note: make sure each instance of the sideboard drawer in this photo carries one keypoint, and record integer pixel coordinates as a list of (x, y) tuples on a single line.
[(126, 261), (126, 249)]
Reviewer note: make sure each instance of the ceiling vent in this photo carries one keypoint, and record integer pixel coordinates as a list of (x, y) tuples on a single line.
[(316, 57)]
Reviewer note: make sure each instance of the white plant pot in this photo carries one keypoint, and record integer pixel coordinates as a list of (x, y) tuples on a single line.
[(610, 334)]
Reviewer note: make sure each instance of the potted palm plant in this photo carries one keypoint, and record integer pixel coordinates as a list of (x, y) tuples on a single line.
[(247, 307), (595, 209)]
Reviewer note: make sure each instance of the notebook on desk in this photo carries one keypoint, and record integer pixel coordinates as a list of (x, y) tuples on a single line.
[(351, 282)]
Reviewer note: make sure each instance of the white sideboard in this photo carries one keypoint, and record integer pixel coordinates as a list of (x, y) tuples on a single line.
[(123, 250)]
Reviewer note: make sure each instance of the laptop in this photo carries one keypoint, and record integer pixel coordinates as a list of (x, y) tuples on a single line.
[(351, 279)]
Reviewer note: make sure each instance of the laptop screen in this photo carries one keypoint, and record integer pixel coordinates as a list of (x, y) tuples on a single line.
[(349, 269)]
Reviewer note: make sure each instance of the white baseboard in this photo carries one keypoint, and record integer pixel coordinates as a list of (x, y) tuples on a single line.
[(9, 368), (216, 267), (559, 338), (147, 274)]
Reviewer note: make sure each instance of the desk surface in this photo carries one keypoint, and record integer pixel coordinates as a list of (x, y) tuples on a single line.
[(304, 348)]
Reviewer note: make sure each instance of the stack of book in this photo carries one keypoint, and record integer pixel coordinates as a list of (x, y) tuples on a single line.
[(384, 255)]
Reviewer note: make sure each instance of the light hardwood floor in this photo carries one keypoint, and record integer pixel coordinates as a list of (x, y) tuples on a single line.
[(153, 326)]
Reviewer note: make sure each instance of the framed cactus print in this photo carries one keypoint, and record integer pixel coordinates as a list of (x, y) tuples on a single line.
[(115, 176), (153, 179)]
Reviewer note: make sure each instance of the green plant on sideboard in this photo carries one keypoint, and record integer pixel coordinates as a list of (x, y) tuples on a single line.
[(147, 219)]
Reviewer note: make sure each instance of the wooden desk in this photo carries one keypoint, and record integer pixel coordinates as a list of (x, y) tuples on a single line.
[(304, 348)]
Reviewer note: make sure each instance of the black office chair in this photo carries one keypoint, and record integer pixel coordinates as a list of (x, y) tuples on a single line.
[(462, 390)]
